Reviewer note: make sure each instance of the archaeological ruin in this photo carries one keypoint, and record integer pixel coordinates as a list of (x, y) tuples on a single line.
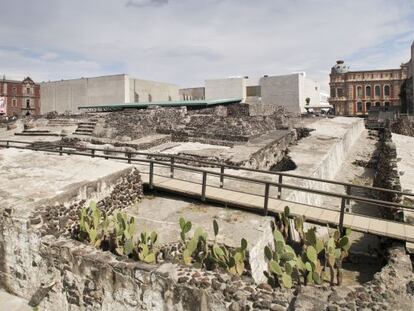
[(229, 207)]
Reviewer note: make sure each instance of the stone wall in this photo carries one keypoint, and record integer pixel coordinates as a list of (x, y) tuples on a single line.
[(21, 236), (325, 166), (387, 174), (234, 123)]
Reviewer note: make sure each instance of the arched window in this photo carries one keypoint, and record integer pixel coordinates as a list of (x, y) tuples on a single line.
[(136, 97), (368, 91), (377, 91), (386, 90), (359, 106), (149, 98), (359, 91), (367, 106), (377, 104)]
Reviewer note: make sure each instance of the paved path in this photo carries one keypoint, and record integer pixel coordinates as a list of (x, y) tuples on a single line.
[(360, 223)]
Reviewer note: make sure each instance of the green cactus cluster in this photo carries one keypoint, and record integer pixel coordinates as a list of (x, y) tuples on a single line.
[(336, 249), (281, 261), (198, 251), (124, 229), (93, 225), (312, 260), (117, 232), (230, 260), (146, 252)]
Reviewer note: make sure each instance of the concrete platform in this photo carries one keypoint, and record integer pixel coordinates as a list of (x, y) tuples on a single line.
[(28, 178)]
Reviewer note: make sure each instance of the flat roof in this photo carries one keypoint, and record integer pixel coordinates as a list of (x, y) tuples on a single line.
[(178, 103)]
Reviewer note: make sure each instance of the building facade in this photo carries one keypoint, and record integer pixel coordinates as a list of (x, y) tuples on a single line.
[(68, 95), (19, 98), (290, 91), (353, 93), (194, 93)]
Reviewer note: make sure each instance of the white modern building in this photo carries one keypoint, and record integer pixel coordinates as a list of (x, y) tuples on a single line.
[(67, 95), (291, 91)]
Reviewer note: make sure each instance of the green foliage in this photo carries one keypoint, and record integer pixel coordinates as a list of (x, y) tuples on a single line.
[(232, 261), (118, 232), (284, 265), (93, 225), (281, 261), (336, 249), (284, 223), (124, 230), (185, 228), (195, 248), (146, 251)]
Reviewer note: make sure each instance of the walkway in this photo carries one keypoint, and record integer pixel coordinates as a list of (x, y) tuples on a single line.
[(313, 214)]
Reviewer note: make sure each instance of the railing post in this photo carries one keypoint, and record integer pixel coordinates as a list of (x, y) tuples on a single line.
[(7, 144), (279, 188), (60, 150), (129, 157), (203, 187), (151, 175), (221, 176), (172, 167), (93, 153), (348, 192), (341, 216), (266, 198)]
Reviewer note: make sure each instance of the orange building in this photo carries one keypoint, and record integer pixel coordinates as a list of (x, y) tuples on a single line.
[(19, 98), (354, 92)]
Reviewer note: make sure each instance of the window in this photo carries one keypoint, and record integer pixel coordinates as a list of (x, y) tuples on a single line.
[(28, 90), (169, 98), (149, 98), (359, 92), (14, 102), (386, 90), (377, 104), (14, 91), (368, 91), (136, 97), (377, 91), (339, 92), (367, 106), (333, 94), (28, 103), (359, 106), (387, 104)]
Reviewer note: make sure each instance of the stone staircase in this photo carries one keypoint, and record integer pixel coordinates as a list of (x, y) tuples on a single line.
[(86, 128), (31, 132), (62, 122)]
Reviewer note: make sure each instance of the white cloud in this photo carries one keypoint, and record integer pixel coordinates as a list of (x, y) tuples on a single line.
[(187, 41)]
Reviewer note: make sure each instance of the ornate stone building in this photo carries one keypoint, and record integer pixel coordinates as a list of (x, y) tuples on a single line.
[(354, 92), (19, 98)]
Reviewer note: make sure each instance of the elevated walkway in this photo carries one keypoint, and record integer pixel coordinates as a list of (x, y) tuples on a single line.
[(313, 214)]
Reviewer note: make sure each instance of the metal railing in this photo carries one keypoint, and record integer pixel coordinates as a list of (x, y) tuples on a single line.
[(268, 185)]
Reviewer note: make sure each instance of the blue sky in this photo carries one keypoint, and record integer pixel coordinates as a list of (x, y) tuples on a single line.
[(187, 41)]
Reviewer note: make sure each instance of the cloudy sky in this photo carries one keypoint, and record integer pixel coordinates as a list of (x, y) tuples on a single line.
[(187, 41)]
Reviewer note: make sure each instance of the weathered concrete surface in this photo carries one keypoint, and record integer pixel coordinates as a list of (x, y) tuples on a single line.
[(405, 163), (30, 178), (163, 212), (13, 303), (321, 154)]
